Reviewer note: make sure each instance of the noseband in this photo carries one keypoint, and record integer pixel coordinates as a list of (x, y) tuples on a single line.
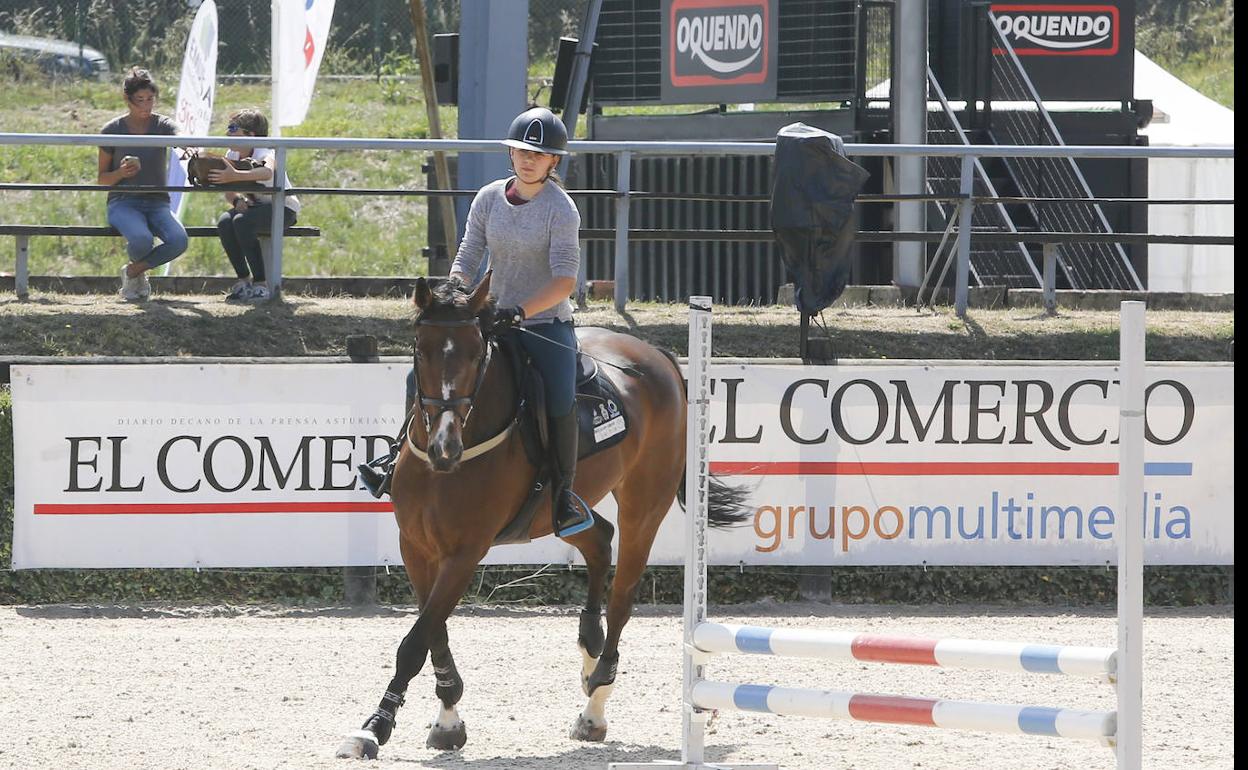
[(447, 404)]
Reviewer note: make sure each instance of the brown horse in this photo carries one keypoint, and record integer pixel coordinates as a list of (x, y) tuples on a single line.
[(463, 473)]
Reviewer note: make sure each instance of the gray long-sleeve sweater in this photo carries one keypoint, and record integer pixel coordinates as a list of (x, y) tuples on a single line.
[(529, 245)]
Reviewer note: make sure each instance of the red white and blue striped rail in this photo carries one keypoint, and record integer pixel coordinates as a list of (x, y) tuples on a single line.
[(1097, 726), (1096, 662)]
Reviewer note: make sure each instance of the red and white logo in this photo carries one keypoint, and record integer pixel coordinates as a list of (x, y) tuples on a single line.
[(1059, 30), (718, 42)]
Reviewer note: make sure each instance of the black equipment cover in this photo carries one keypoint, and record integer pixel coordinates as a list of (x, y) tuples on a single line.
[(812, 206)]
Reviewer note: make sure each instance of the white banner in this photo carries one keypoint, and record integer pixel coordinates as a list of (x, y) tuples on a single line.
[(196, 92), (302, 32), (253, 465)]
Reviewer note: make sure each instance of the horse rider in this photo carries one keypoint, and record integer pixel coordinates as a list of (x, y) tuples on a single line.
[(530, 226)]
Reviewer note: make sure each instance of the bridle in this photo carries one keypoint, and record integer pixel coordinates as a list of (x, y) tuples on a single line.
[(448, 404)]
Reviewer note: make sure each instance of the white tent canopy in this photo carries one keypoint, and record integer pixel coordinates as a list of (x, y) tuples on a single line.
[(1182, 116)]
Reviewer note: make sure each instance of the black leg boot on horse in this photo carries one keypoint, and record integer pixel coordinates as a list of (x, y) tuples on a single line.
[(569, 513), (377, 475)]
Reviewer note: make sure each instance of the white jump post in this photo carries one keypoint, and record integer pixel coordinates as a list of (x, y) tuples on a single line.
[(697, 481), (702, 639), (1130, 737)]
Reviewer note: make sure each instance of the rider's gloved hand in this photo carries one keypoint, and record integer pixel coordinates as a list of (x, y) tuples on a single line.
[(507, 317)]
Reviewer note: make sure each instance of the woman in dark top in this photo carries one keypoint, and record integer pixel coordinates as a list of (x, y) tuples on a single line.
[(140, 217)]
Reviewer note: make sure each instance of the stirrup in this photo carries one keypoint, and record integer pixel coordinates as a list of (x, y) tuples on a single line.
[(564, 526), (377, 475)]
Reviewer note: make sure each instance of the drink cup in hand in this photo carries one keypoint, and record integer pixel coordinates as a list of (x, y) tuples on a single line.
[(132, 160)]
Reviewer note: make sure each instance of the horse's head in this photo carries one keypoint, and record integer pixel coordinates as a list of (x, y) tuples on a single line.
[(452, 353)]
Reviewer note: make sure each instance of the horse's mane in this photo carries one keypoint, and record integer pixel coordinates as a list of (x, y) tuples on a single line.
[(449, 295)]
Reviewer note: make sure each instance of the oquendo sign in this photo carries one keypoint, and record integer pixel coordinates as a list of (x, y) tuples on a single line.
[(1072, 50), (717, 51)]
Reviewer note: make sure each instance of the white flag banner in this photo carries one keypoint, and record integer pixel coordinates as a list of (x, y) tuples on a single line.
[(301, 34), (196, 92)]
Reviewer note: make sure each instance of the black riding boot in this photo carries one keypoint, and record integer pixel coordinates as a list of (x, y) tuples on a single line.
[(377, 475), (570, 513)]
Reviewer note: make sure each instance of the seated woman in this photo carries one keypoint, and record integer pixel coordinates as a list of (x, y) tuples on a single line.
[(140, 217), (250, 214)]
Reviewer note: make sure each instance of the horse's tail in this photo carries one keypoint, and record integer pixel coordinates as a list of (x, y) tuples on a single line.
[(726, 505)]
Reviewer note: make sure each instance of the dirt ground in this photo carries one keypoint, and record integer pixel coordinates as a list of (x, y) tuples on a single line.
[(169, 687)]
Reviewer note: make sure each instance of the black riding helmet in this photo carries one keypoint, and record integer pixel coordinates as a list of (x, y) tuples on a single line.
[(538, 129)]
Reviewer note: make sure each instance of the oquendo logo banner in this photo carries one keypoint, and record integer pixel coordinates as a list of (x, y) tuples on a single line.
[(1071, 49), (716, 51), (253, 465)]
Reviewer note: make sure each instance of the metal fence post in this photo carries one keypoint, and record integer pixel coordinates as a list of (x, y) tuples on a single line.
[(622, 170), (359, 584), (1050, 278), (21, 278), (966, 208), (279, 219)]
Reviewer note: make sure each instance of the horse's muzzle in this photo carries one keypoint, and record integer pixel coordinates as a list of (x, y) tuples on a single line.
[(446, 443)]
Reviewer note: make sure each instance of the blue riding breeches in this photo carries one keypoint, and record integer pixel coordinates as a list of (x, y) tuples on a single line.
[(552, 346)]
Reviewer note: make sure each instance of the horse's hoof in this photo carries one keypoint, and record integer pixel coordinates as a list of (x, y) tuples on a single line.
[(358, 745), (447, 738), (585, 730)]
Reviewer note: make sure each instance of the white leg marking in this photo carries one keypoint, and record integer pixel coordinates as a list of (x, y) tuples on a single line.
[(596, 709), (448, 719), (587, 668)]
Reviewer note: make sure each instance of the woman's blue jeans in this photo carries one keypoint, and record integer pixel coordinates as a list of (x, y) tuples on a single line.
[(141, 220)]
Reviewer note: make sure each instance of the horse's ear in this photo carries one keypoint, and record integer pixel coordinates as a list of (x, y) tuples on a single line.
[(422, 295), (481, 294)]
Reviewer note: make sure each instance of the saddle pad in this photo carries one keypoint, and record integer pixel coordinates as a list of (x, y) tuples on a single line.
[(600, 416)]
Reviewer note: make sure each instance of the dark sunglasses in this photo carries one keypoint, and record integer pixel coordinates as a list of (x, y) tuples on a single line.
[(234, 127)]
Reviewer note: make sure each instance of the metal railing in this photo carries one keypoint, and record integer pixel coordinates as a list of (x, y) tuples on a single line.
[(1008, 263), (1104, 264), (624, 153)]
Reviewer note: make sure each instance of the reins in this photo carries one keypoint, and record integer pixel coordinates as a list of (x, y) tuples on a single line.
[(622, 367), (446, 404)]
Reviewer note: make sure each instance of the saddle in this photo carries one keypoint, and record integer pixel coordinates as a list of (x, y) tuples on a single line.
[(200, 162), (601, 420)]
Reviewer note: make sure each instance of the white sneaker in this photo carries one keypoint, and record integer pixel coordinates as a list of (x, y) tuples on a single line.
[(129, 290), (239, 290), (145, 286), (258, 293)]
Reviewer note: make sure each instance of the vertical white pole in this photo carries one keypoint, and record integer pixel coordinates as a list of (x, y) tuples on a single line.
[(966, 211), (1130, 738), (697, 472), (275, 41), (623, 166), (277, 226), (277, 223)]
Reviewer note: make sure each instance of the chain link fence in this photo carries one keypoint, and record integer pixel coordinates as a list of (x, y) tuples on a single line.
[(368, 37)]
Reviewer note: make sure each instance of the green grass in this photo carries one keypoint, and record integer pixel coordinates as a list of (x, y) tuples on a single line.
[(385, 235), (360, 235), (1194, 40)]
